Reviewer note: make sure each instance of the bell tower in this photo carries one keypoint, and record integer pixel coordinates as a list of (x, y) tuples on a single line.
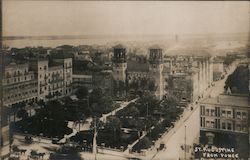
[(155, 70), (119, 62)]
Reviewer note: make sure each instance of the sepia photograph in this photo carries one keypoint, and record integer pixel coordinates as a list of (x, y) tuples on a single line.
[(124, 80)]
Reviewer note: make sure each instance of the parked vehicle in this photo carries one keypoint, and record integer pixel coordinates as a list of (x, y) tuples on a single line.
[(28, 139)]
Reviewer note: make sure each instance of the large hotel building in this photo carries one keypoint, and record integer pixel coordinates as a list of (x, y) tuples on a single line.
[(30, 82)]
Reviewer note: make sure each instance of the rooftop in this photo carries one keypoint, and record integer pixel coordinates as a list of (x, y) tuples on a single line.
[(229, 100), (155, 47), (119, 46), (134, 66)]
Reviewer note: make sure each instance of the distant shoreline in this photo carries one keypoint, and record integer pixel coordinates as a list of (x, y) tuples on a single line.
[(57, 37)]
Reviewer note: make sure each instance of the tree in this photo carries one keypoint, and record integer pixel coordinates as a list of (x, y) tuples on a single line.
[(169, 101), (82, 93), (143, 144), (16, 107), (95, 95), (151, 86), (41, 102), (106, 104), (22, 114), (113, 122)]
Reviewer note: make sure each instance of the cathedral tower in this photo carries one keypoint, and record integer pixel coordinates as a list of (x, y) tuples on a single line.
[(155, 70), (119, 69)]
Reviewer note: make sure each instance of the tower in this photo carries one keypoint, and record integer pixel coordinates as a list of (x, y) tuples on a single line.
[(155, 70), (119, 69)]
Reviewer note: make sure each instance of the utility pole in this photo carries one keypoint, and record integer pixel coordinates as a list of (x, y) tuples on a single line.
[(185, 145), (94, 139)]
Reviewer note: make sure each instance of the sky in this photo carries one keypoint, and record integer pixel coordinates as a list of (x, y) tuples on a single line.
[(44, 18)]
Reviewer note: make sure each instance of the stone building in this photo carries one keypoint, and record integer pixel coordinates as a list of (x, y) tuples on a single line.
[(156, 69), (130, 72)]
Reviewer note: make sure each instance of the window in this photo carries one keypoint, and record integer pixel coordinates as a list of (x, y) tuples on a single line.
[(223, 113), (244, 128), (207, 112), (244, 115), (212, 124), (238, 115), (207, 124), (229, 126), (223, 125), (238, 127), (229, 115), (212, 112)]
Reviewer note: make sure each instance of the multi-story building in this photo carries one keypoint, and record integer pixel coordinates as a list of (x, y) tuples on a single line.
[(188, 77), (19, 84), (218, 68), (224, 121), (184, 85), (54, 78)]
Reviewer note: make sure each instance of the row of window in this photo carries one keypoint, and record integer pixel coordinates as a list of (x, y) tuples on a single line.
[(17, 73), (22, 94), (66, 66), (227, 126), (227, 113), (19, 79), (22, 86)]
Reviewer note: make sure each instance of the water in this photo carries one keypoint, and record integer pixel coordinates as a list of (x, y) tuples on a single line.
[(54, 42)]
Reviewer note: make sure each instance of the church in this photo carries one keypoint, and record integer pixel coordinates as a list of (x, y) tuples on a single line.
[(133, 74)]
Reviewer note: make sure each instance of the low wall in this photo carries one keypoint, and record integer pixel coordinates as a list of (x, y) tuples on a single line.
[(111, 151), (39, 139)]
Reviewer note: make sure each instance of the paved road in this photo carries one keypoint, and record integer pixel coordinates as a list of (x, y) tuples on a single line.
[(175, 138), (122, 106)]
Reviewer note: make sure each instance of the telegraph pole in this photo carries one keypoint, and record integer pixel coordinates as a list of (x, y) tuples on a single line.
[(94, 139), (185, 145)]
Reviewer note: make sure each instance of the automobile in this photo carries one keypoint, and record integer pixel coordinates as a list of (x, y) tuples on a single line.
[(162, 146), (55, 140), (28, 139)]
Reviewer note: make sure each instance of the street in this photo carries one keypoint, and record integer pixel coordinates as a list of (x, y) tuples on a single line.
[(191, 119)]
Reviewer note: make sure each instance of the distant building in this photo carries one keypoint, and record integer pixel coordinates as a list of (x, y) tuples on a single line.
[(224, 121), (187, 77), (184, 86), (83, 55), (218, 69), (90, 75)]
